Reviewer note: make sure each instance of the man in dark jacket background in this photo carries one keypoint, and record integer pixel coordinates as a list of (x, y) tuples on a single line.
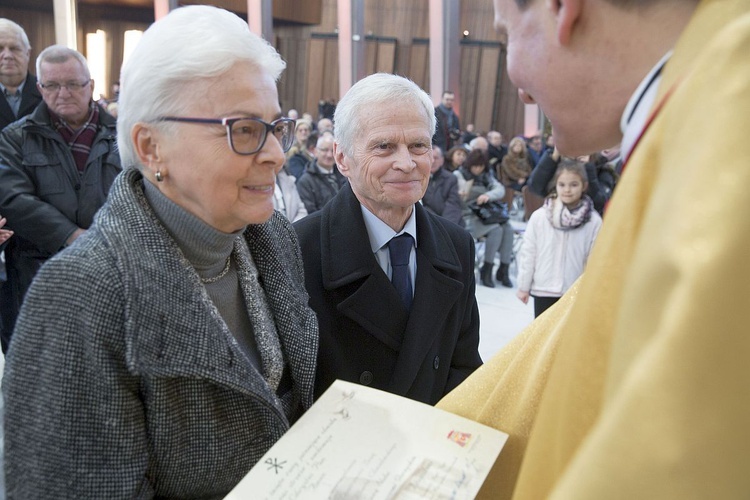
[(442, 197), (321, 180), (56, 167), (448, 126)]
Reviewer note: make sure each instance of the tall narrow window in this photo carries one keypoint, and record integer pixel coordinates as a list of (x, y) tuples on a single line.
[(130, 40), (96, 45)]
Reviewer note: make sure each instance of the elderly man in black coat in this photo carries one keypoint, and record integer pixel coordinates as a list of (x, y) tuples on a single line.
[(398, 318)]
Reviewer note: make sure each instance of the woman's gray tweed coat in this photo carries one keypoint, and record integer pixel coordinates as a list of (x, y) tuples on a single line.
[(122, 381)]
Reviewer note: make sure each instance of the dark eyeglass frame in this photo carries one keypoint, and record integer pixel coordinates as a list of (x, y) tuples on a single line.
[(57, 87), (228, 122)]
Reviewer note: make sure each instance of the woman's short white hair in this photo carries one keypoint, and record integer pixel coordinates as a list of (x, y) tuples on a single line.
[(378, 89), (188, 44)]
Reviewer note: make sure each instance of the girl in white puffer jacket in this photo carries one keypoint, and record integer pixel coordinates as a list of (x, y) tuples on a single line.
[(558, 239)]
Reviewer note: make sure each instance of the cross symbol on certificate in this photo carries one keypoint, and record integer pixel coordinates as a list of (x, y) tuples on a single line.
[(274, 464)]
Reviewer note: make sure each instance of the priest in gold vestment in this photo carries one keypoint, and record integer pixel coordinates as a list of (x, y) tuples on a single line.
[(637, 383)]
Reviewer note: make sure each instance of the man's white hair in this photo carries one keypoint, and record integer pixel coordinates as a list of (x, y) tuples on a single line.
[(350, 117)]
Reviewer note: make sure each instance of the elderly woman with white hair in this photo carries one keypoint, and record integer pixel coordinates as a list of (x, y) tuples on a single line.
[(164, 352)]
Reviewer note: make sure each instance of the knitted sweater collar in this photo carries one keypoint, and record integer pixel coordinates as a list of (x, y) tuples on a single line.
[(204, 246)]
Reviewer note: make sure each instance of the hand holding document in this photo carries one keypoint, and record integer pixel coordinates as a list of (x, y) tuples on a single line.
[(359, 442)]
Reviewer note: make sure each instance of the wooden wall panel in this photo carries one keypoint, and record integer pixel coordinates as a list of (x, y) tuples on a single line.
[(315, 69), (292, 83), (485, 89), (477, 17), (330, 88), (386, 61), (419, 65), (307, 12), (371, 56), (469, 68), (403, 20), (403, 60), (509, 110)]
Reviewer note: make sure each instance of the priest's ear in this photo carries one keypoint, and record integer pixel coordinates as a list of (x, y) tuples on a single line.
[(567, 13)]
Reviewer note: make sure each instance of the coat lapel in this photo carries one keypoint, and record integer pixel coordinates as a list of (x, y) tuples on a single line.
[(350, 270), (435, 295), (6, 114), (30, 97), (287, 298), (188, 339)]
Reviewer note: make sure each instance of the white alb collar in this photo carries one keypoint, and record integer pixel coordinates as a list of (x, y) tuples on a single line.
[(636, 113)]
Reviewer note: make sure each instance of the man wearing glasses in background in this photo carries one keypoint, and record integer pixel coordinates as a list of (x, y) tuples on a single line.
[(56, 166)]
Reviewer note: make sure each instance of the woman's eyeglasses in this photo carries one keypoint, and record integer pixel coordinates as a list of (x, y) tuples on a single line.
[(247, 136)]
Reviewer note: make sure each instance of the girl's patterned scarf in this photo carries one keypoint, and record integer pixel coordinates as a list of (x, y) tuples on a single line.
[(565, 219)]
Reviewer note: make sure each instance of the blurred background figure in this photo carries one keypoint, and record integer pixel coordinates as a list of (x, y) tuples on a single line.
[(476, 183), (496, 150), (321, 180), (442, 196), (448, 131), (535, 149), (326, 108), (325, 125), (468, 134), (479, 143), (455, 157), (302, 131), (286, 197), (302, 151), (515, 167), (308, 117)]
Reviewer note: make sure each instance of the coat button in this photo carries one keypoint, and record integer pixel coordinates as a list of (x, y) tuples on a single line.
[(436, 362), (365, 378)]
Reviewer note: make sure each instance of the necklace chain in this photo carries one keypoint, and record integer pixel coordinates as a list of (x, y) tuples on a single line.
[(220, 275)]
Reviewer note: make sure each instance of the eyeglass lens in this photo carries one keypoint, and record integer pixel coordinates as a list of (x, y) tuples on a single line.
[(71, 86), (249, 135)]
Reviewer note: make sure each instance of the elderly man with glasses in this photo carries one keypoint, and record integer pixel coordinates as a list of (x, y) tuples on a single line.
[(56, 166)]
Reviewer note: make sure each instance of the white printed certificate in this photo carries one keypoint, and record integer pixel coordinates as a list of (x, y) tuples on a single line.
[(361, 443)]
